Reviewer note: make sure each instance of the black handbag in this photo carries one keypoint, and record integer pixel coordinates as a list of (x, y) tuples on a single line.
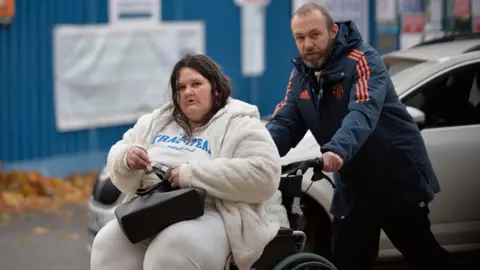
[(158, 207)]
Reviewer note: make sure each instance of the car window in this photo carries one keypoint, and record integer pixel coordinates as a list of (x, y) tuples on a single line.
[(452, 99)]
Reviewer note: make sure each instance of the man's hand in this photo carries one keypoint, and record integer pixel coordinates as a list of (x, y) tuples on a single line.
[(137, 159), (174, 177), (332, 162)]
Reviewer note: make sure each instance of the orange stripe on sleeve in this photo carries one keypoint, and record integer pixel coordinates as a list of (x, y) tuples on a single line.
[(362, 79), (364, 59), (359, 84), (365, 76), (363, 70), (284, 101), (354, 55)]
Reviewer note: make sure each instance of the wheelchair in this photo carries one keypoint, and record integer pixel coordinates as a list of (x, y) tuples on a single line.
[(286, 250)]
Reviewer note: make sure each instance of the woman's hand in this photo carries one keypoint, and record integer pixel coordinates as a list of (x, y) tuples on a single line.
[(137, 159), (174, 177)]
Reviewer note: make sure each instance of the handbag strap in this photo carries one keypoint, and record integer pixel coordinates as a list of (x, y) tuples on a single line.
[(163, 172), (150, 189)]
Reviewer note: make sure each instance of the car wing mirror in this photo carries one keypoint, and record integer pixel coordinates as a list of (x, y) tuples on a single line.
[(418, 115)]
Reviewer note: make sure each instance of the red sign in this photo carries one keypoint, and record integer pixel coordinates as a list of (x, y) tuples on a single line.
[(7, 10), (413, 23), (461, 8), (476, 24)]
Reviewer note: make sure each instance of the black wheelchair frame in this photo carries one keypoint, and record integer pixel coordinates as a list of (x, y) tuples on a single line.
[(286, 250)]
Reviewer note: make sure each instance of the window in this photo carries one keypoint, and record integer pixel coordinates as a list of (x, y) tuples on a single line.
[(452, 99)]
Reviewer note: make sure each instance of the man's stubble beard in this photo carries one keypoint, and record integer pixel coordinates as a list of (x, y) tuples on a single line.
[(323, 58)]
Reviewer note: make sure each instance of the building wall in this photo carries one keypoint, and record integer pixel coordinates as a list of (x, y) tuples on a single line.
[(27, 113)]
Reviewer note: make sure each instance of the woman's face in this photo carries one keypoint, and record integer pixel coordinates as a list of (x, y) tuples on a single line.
[(194, 94)]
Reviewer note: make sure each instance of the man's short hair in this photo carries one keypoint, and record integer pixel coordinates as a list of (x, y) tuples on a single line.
[(309, 7)]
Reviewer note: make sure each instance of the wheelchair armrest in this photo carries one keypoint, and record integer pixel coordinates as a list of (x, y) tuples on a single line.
[(291, 186), (283, 231)]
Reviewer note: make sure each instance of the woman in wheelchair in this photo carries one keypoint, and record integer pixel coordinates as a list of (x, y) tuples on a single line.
[(213, 142)]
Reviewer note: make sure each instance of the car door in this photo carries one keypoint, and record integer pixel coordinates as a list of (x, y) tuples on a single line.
[(450, 101)]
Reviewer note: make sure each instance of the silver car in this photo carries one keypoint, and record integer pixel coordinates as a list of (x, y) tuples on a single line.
[(439, 83)]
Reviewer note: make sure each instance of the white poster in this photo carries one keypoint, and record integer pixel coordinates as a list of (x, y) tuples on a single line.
[(107, 76), (344, 10)]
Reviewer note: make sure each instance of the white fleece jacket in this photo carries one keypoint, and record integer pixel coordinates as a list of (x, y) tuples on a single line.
[(242, 175)]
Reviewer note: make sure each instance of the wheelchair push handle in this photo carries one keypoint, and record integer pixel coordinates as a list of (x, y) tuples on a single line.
[(300, 167), (309, 163)]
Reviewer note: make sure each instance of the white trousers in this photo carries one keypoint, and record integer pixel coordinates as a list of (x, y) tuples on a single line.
[(199, 244)]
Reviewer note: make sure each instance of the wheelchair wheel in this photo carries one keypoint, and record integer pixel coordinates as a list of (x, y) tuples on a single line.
[(304, 260)]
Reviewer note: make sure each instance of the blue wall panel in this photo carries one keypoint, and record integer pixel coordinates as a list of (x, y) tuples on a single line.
[(27, 113)]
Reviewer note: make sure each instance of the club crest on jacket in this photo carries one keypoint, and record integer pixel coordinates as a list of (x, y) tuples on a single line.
[(337, 91)]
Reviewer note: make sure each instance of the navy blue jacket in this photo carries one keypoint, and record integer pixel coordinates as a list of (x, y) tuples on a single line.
[(357, 114)]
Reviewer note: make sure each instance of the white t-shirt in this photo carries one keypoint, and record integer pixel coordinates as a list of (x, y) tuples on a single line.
[(170, 147)]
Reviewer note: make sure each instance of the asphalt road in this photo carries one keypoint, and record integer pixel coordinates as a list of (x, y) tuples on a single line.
[(39, 241)]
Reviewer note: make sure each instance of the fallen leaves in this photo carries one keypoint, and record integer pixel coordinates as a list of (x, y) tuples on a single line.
[(63, 235), (68, 236), (4, 219), (39, 230), (24, 191)]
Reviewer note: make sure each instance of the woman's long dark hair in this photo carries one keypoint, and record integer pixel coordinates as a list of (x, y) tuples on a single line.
[(221, 86)]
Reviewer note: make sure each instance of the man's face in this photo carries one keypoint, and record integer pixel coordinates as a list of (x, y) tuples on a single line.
[(314, 39)]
